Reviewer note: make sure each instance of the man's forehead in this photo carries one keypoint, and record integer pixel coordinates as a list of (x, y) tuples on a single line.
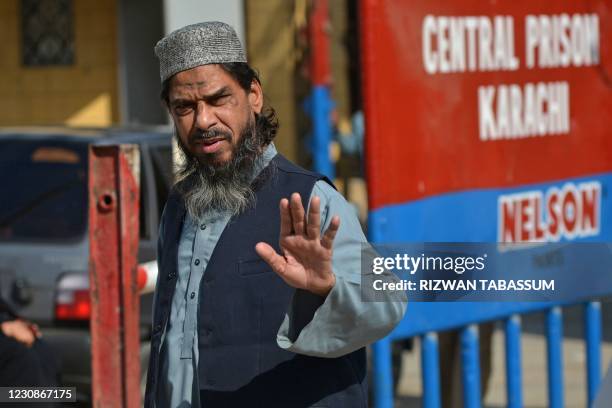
[(188, 84), (194, 90), (201, 78)]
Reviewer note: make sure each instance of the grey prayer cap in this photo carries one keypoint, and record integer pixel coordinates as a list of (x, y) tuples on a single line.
[(211, 42)]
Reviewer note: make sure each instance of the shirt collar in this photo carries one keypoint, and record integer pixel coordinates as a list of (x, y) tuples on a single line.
[(264, 160)]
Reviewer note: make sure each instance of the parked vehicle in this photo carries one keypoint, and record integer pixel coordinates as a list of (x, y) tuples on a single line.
[(44, 232)]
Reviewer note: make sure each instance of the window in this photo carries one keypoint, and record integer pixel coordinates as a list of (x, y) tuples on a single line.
[(47, 30), (44, 190)]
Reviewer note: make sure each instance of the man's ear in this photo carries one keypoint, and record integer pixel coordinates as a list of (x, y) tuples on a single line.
[(256, 97)]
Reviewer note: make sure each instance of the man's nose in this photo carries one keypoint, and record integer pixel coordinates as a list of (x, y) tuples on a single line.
[(205, 116)]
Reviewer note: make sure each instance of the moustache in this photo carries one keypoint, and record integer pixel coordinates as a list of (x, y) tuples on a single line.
[(204, 135)]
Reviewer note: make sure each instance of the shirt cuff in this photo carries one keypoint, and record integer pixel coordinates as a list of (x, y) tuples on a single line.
[(305, 323)]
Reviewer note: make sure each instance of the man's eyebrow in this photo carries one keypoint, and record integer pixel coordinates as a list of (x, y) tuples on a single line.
[(218, 93), (179, 101), (212, 96)]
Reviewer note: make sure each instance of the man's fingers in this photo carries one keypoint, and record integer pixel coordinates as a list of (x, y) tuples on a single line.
[(328, 237), (20, 331), (35, 330), (313, 228), (285, 224), (268, 254), (297, 214)]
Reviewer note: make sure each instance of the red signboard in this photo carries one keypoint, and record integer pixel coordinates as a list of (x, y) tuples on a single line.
[(484, 94)]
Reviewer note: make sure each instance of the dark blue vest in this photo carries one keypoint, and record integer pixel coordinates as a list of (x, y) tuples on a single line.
[(242, 305)]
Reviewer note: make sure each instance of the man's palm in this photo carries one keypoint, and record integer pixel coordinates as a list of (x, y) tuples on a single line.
[(306, 259)]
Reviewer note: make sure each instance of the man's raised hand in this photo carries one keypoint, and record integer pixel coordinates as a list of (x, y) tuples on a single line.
[(306, 258)]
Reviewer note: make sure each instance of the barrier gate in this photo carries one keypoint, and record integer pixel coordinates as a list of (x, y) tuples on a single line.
[(487, 122)]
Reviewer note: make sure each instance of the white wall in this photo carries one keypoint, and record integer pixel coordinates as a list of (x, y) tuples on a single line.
[(179, 13)]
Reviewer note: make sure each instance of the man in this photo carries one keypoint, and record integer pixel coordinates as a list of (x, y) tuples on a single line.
[(25, 360), (258, 300)]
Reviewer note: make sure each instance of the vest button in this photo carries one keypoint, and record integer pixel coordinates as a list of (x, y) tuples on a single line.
[(192, 295), (197, 262), (158, 328), (203, 227), (171, 275)]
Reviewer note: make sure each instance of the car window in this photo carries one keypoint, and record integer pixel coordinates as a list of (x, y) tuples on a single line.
[(44, 190), (162, 171)]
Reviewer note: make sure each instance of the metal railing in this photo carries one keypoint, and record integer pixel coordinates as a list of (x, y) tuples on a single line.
[(470, 365)]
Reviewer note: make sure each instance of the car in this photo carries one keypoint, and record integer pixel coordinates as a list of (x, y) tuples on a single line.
[(44, 245)]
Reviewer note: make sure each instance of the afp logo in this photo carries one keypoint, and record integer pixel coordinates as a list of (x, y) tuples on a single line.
[(569, 212)]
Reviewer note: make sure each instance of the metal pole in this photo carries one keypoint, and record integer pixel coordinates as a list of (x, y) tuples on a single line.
[(430, 363), (113, 249), (470, 366), (321, 102), (513, 362), (592, 325), (383, 373), (554, 338)]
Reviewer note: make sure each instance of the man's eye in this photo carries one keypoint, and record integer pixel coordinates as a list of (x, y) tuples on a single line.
[(183, 109), (220, 100)]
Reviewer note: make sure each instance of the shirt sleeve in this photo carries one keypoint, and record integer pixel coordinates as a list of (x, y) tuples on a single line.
[(342, 322)]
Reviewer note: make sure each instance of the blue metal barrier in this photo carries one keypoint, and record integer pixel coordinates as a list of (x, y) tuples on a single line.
[(431, 370), (470, 367), (514, 390), (470, 370), (592, 319), (382, 371), (554, 340)]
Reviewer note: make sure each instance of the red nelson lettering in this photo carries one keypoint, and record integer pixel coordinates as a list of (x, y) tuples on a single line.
[(524, 219), (537, 218), (569, 222), (553, 215), (589, 204), (508, 221)]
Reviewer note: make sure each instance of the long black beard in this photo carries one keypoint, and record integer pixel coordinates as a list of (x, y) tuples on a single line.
[(227, 187)]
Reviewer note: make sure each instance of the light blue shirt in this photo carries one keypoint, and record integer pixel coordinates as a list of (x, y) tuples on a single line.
[(339, 325)]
